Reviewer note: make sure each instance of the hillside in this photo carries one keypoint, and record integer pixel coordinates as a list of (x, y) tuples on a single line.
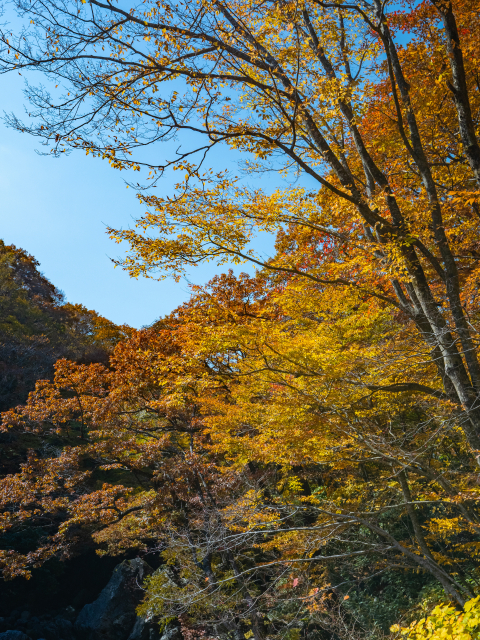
[(37, 327)]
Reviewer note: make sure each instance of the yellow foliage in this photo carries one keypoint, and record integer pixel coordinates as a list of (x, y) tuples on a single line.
[(446, 623)]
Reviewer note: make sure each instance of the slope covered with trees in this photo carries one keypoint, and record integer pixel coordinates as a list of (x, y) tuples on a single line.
[(37, 327), (300, 447)]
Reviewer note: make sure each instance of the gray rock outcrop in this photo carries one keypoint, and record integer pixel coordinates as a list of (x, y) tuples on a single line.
[(144, 630), (112, 616)]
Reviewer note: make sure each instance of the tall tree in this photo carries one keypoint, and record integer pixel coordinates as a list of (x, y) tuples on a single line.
[(236, 438), (356, 373), (385, 131)]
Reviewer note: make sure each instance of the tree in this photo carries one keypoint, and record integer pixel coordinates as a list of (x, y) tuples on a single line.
[(309, 390), (218, 438), (360, 359), (320, 88), (137, 424)]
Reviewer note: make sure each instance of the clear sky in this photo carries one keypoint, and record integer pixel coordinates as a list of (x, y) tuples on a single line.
[(57, 210)]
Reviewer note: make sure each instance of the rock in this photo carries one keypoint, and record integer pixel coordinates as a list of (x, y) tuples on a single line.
[(57, 629), (144, 630), (14, 635), (140, 630), (112, 616), (172, 632)]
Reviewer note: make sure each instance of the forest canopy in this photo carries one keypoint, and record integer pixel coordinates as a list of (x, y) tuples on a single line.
[(300, 446)]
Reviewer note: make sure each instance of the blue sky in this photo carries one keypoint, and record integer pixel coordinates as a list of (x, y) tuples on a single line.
[(57, 210)]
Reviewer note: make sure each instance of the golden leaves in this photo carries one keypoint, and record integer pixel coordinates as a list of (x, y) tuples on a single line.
[(445, 623)]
